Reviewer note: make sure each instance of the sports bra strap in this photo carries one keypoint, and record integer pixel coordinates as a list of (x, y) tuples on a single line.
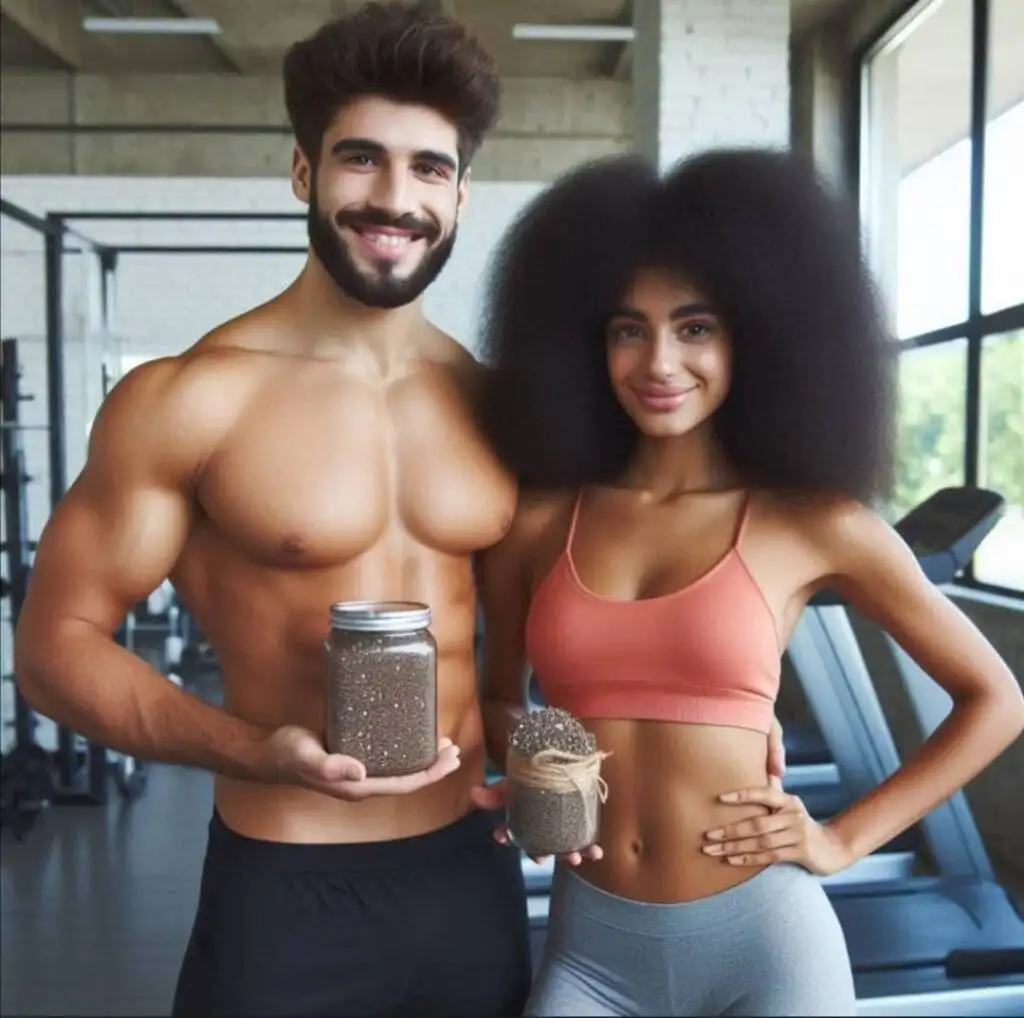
[(572, 523), (741, 527)]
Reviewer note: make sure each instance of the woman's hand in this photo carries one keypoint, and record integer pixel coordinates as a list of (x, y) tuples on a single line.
[(787, 834), (493, 797)]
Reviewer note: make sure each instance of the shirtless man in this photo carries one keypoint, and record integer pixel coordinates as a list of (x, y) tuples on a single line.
[(318, 448)]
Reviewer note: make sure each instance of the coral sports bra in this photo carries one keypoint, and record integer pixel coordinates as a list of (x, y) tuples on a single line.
[(706, 654)]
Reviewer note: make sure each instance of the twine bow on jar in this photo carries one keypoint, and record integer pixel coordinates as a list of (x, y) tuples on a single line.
[(554, 770)]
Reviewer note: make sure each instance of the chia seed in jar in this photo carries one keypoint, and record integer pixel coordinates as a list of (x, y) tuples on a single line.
[(382, 686), (545, 821)]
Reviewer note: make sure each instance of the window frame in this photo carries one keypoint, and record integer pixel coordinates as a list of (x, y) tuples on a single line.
[(977, 326)]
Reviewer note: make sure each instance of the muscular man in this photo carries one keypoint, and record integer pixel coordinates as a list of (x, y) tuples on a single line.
[(317, 449)]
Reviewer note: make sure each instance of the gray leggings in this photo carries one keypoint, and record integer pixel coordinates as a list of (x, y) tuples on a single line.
[(769, 946)]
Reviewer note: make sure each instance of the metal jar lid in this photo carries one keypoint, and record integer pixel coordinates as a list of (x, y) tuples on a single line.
[(379, 616)]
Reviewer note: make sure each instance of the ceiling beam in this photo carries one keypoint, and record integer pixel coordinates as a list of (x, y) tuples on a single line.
[(445, 7), (194, 9), (623, 67), (620, 66), (56, 27)]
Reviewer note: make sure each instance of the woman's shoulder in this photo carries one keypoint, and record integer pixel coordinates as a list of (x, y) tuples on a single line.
[(826, 524)]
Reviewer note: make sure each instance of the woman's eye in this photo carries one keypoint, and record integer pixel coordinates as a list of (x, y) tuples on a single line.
[(623, 332), (697, 330)]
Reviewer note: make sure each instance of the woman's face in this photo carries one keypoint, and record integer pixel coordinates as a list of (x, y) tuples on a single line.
[(669, 358)]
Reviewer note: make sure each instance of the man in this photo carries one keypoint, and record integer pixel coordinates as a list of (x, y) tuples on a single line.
[(319, 448)]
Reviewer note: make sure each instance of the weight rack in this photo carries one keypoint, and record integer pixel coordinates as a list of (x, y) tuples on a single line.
[(77, 771)]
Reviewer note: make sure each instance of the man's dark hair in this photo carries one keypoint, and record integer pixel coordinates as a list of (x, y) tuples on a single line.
[(775, 252), (403, 52)]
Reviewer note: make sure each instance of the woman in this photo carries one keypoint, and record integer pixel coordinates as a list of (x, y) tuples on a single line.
[(693, 385)]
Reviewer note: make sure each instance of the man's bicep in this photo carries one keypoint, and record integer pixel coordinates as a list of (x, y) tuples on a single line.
[(121, 527), (102, 552)]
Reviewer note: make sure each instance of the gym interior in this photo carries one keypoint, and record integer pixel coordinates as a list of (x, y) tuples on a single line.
[(145, 191)]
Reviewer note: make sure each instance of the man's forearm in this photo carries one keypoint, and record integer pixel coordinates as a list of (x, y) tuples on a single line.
[(93, 686)]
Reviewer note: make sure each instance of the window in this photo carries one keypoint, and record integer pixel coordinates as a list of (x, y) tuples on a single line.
[(942, 143), (1002, 277), (932, 411), (1000, 559), (920, 174)]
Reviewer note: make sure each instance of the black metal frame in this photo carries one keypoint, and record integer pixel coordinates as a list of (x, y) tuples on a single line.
[(977, 326), (190, 249), (82, 774)]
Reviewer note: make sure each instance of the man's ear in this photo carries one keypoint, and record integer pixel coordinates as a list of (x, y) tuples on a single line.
[(302, 174), (463, 198)]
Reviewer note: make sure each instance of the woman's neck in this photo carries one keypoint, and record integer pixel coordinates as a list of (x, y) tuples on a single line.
[(664, 467)]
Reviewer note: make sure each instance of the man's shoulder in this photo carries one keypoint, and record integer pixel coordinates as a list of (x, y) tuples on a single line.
[(197, 393), (459, 363), (445, 350)]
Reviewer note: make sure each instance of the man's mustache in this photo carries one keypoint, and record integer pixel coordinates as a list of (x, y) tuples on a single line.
[(377, 217)]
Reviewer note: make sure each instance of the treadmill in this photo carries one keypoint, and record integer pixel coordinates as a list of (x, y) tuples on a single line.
[(948, 944)]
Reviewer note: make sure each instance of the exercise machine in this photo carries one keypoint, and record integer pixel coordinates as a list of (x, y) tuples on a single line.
[(949, 943), (33, 777)]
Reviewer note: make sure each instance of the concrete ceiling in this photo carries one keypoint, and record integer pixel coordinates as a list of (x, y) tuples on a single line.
[(46, 34)]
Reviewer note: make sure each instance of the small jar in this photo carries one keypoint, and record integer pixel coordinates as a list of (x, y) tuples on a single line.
[(544, 822), (382, 686)]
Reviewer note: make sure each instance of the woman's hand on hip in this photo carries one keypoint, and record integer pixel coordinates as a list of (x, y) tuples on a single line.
[(787, 834)]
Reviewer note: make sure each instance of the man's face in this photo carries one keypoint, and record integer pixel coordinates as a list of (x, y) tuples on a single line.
[(384, 199)]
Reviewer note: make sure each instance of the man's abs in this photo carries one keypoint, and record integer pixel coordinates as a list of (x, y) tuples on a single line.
[(268, 628)]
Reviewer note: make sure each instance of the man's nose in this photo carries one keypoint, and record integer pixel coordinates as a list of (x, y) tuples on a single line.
[(390, 190)]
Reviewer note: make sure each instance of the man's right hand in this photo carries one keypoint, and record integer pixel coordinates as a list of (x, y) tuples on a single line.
[(298, 757)]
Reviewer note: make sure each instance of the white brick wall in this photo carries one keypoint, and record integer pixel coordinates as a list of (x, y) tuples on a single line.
[(710, 73), (166, 302)]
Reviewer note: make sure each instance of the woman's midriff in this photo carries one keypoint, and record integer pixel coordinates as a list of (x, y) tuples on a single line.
[(664, 780)]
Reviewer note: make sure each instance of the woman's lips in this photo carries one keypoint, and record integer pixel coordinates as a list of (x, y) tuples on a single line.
[(662, 399)]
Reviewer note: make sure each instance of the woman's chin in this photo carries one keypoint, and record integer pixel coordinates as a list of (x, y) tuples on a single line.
[(662, 425)]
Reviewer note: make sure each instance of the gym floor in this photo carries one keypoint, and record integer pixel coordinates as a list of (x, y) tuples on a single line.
[(97, 902)]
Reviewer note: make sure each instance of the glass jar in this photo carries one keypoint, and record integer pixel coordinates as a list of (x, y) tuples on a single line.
[(545, 821), (382, 686)]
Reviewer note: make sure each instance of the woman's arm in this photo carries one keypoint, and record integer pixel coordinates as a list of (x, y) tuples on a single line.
[(879, 575), (503, 588), (872, 567)]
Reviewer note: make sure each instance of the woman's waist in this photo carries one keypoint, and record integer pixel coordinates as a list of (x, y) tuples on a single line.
[(664, 784), (666, 826), (659, 858)]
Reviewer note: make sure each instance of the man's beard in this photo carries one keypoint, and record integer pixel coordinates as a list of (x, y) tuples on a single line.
[(380, 288)]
